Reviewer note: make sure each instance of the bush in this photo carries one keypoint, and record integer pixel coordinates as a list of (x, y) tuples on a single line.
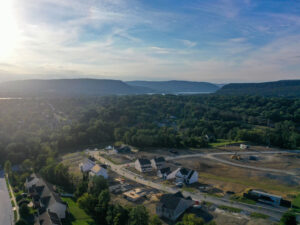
[(258, 215)]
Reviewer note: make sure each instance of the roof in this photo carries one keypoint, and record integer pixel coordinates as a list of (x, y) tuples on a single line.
[(264, 193), (165, 170), (143, 161), (97, 168), (48, 218), (191, 174), (184, 171), (170, 201), (87, 165), (46, 192), (159, 159)]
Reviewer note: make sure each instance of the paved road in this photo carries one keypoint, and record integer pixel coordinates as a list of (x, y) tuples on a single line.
[(274, 212), (212, 156), (6, 216)]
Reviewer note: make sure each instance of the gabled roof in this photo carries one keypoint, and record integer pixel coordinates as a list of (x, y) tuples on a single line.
[(184, 171), (87, 165), (48, 218), (166, 170), (191, 173), (97, 168), (169, 201), (159, 159), (143, 161)]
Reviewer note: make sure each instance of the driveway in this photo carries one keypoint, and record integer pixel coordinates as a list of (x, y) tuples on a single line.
[(6, 216)]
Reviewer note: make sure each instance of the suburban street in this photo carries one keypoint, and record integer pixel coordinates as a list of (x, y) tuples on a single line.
[(274, 212), (6, 216)]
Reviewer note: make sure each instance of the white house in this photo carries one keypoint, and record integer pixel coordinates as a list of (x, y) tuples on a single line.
[(87, 165), (244, 146), (98, 170), (184, 175), (158, 163), (143, 165)]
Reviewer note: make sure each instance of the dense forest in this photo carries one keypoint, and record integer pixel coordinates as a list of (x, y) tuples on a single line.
[(282, 88), (38, 128)]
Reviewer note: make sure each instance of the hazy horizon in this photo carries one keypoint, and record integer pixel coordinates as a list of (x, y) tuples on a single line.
[(218, 41)]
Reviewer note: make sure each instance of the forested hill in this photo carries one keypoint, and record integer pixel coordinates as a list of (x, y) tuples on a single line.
[(283, 88), (67, 87), (176, 86)]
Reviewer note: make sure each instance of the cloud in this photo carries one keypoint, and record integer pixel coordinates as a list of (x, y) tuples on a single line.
[(189, 43), (216, 40)]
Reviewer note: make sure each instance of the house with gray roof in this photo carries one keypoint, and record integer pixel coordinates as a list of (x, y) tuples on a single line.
[(45, 199), (143, 165), (184, 175), (172, 206), (164, 172), (158, 163)]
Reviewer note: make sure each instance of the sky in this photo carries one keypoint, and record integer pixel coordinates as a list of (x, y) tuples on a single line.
[(217, 41)]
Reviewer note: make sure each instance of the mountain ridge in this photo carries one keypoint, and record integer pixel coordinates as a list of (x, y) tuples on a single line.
[(281, 88)]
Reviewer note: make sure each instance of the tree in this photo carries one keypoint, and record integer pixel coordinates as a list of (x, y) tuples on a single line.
[(27, 165), (138, 216), (96, 185), (81, 189), (88, 203), (155, 220), (7, 167), (24, 210), (21, 222), (117, 215), (288, 218), (191, 219), (102, 206)]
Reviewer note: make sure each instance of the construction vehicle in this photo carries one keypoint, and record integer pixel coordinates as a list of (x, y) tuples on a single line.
[(236, 156)]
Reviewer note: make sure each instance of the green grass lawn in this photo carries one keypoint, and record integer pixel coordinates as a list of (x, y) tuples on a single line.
[(230, 209), (242, 199), (78, 216), (258, 215), (296, 202), (223, 142)]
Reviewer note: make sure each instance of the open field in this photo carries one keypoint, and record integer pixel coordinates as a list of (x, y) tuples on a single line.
[(283, 161), (77, 216), (72, 160), (230, 178)]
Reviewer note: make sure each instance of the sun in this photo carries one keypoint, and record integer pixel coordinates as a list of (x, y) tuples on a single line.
[(8, 28)]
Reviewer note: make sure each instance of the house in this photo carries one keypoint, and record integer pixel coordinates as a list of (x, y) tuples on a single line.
[(124, 149), (45, 199), (134, 195), (266, 197), (172, 206), (184, 175), (99, 170), (87, 165), (158, 163), (109, 147), (47, 218), (164, 172), (243, 146), (143, 165)]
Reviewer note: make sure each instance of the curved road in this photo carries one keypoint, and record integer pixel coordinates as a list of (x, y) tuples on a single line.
[(212, 157), (274, 212)]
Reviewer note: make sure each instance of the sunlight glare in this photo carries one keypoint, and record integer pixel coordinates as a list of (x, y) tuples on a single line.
[(8, 28)]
